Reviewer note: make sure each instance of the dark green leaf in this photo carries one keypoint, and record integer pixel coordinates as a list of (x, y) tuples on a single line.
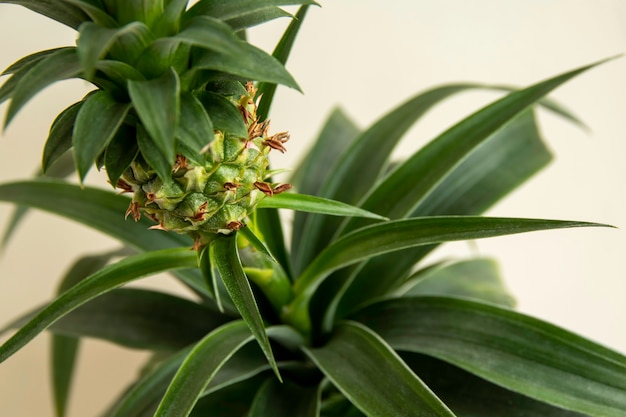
[(470, 396), (29, 60), (119, 73), (209, 33), (517, 352), (337, 134), (60, 137), (281, 53), (57, 66), (211, 275), (153, 155), (313, 204), (95, 13), (95, 41), (228, 264), (366, 159), (120, 153), (64, 350), (224, 115), (269, 225), (141, 319), (97, 121), (157, 103), (100, 210), (195, 129), (286, 399), (242, 13), (477, 279), (503, 162), (199, 367), (104, 280), (247, 62), (398, 195), (58, 10), (231, 401), (169, 22), (372, 376), (396, 235)]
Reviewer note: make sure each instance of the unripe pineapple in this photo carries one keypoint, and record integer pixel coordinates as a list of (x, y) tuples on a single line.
[(170, 119), (215, 195)]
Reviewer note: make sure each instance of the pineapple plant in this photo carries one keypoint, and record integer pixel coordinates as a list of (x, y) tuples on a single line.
[(346, 319)]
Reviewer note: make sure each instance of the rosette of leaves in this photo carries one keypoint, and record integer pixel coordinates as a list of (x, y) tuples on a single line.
[(346, 319)]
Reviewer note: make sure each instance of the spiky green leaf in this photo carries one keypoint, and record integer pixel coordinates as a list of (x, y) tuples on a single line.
[(58, 10), (157, 103), (313, 204), (105, 280), (199, 367), (57, 66), (373, 377), (517, 352), (227, 262), (477, 279), (223, 113), (195, 129), (97, 122), (396, 235), (60, 137), (120, 153), (209, 33)]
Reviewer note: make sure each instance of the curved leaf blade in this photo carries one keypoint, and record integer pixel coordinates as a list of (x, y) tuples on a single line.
[(199, 367), (313, 204), (60, 137), (518, 352), (223, 113), (468, 395), (57, 66), (157, 103), (225, 257), (209, 33), (104, 280), (477, 279), (396, 235), (286, 399), (57, 10), (373, 377), (102, 110), (195, 130)]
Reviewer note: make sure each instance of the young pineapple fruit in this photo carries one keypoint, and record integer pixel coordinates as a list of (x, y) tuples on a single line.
[(213, 196), (170, 119)]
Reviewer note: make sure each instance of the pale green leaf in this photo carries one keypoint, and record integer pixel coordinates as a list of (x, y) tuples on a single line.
[(199, 367), (106, 279), (313, 204), (518, 352), (97, 121), (372, 376), (157, 103)]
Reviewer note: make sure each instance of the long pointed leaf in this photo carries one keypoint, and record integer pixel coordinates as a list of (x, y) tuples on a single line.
[(200, 366), (470, 396), (398, 195), (63, 352), (313, 204), (286, 399), (281, 53), (403, 234), (60, 65), (517, 352), (105, 280), (209, 33), (102, 110), (157, 103), (101, 210), (226, 259), (58, 10), (60, 137), (373, 377)]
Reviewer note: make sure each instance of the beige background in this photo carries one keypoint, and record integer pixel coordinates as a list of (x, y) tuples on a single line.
[(368, 56)]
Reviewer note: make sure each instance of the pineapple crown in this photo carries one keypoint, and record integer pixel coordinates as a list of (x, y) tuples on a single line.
[(165, 77)]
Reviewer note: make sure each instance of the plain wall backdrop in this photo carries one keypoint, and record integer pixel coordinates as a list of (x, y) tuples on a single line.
[(368, 56)]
